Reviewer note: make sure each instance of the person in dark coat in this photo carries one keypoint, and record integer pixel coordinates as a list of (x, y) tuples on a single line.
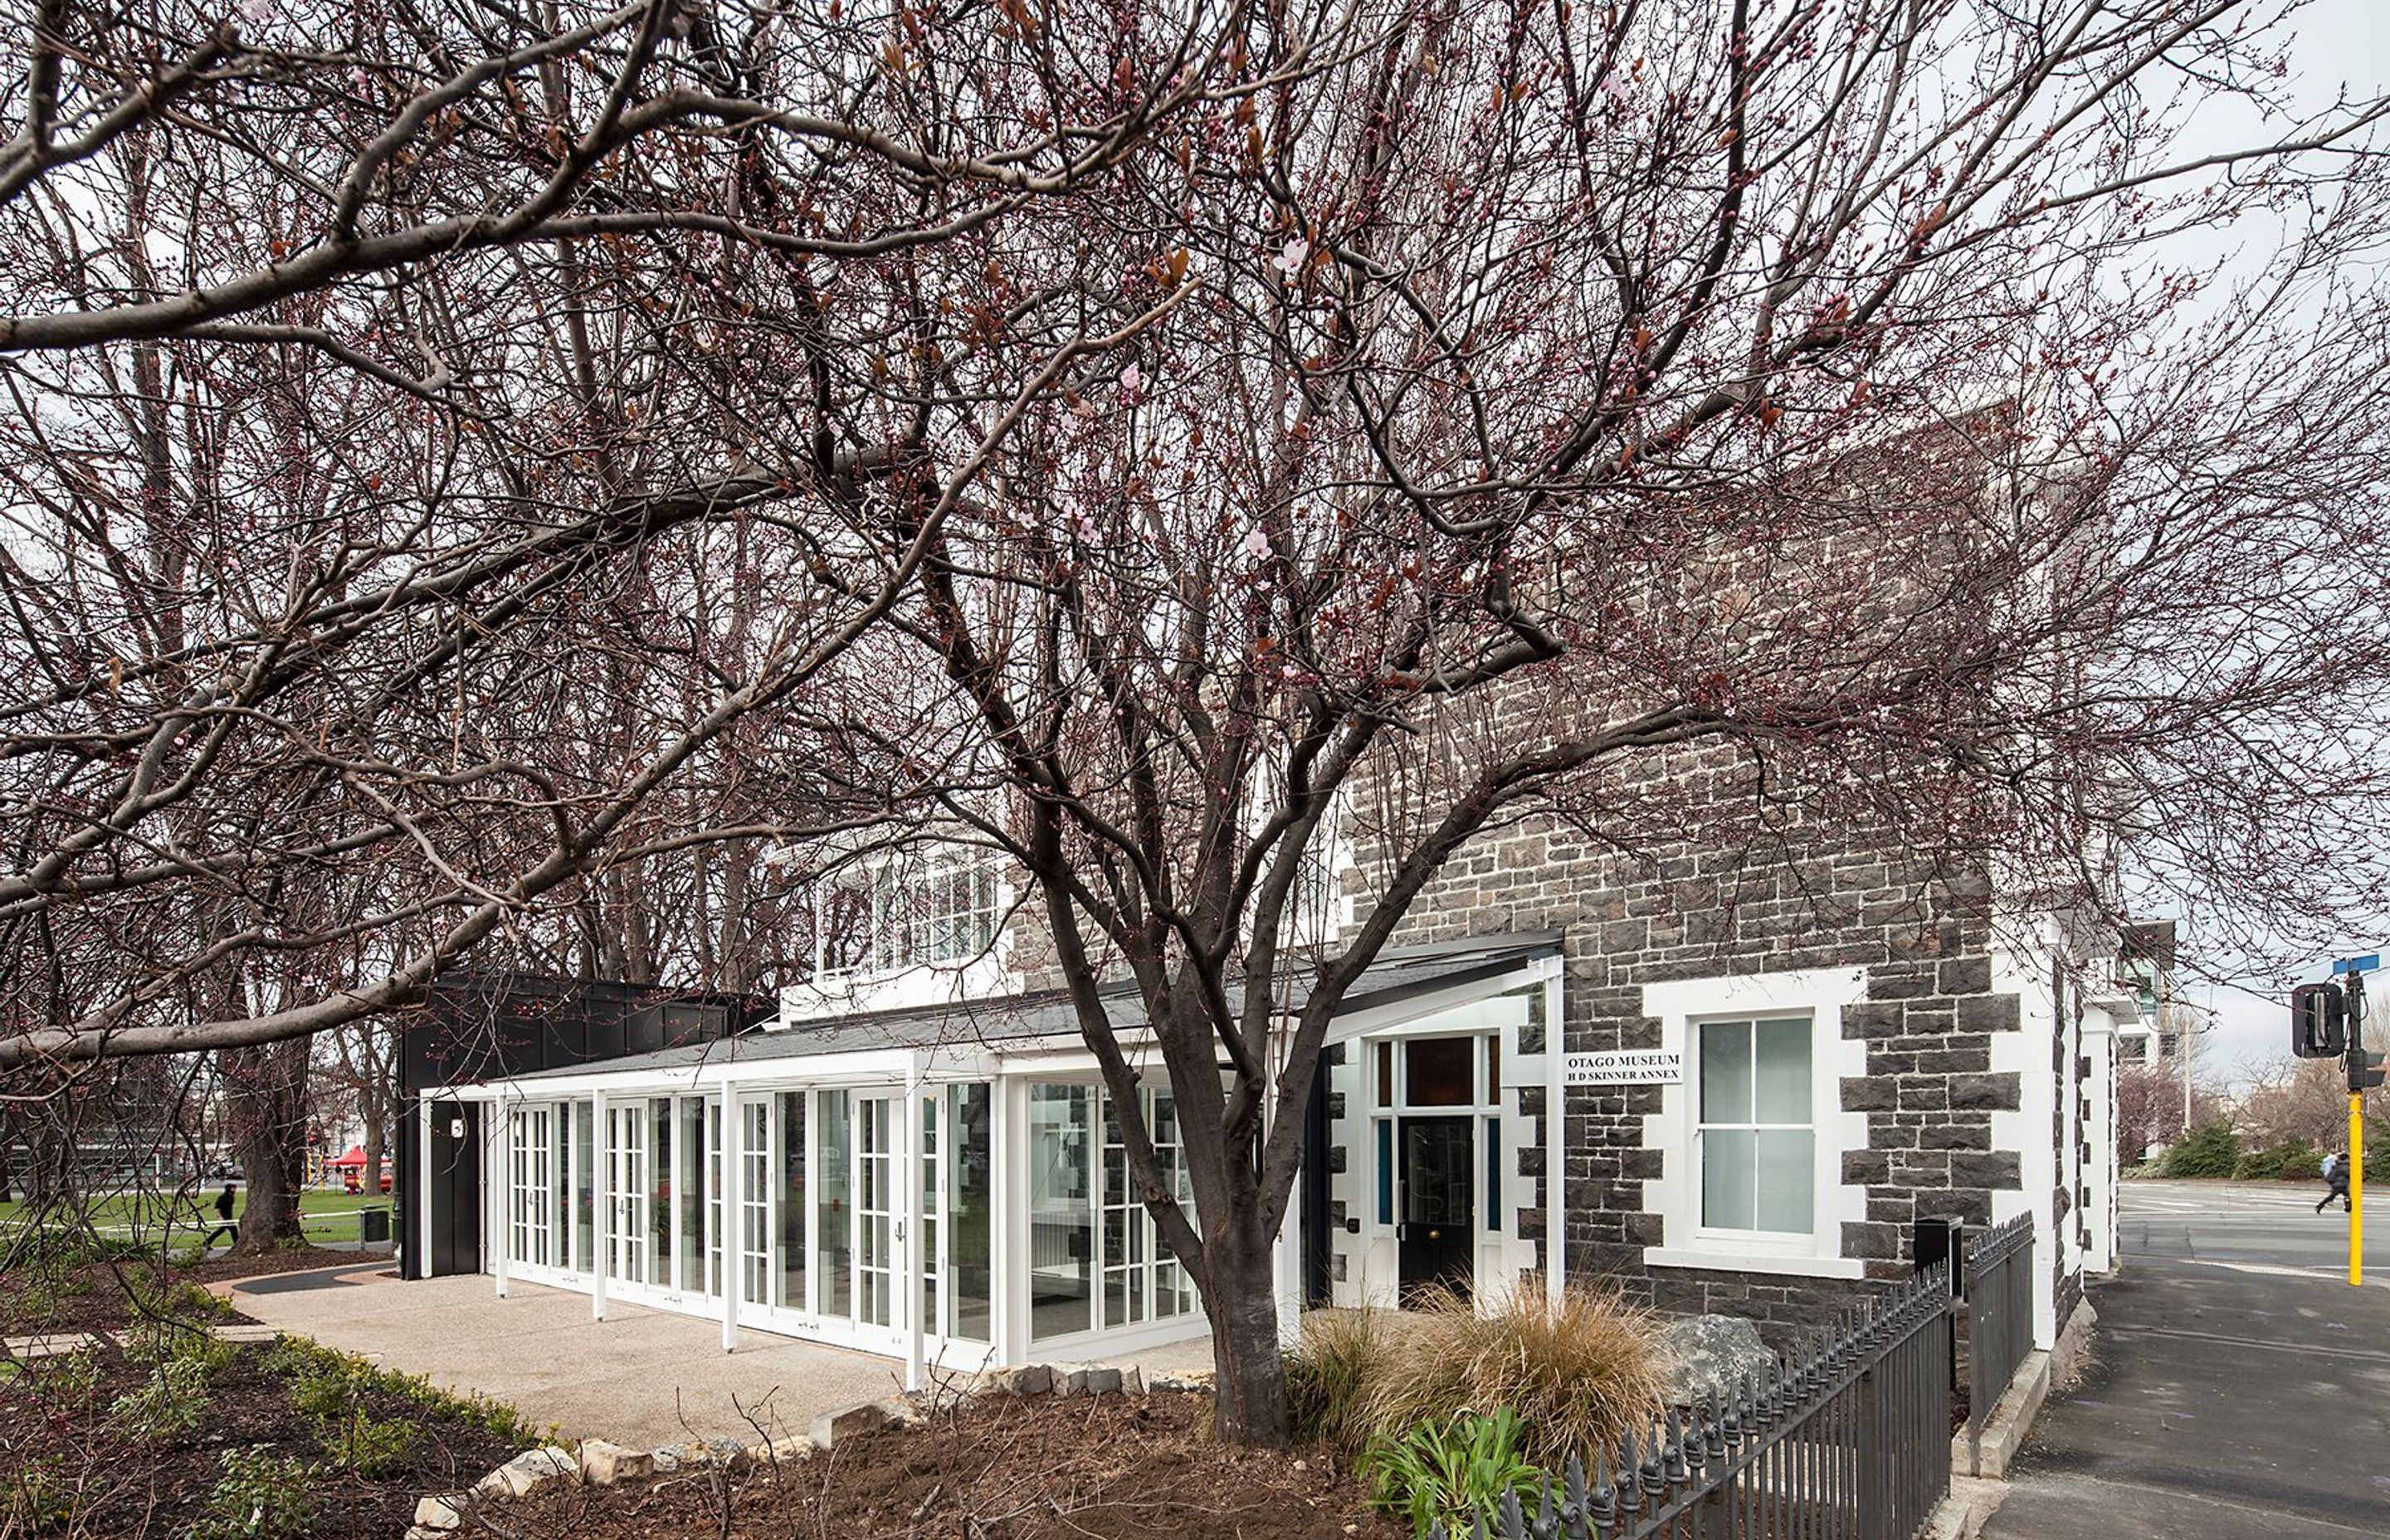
[(223, 1212), (2335, 1172)]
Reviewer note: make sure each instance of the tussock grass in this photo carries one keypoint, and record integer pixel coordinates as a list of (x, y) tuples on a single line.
[(1579, 1372)]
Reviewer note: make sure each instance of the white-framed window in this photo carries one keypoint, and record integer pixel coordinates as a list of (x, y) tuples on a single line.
[(908, 912), (1757, 1141), (1753, 1139)]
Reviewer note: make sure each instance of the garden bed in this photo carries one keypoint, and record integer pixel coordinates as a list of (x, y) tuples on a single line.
[(1045, 1468), (162, 1430)]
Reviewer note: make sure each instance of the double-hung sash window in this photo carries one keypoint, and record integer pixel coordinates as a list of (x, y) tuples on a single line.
[(1758, 1141)]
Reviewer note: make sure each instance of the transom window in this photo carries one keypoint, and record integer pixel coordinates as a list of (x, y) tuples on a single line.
[(1757, 1139)]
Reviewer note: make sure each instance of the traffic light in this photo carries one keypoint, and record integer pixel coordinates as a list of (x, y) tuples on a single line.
[(2364, 1070), (2318, 1022)]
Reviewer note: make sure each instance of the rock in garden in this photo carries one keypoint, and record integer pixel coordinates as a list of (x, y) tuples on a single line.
[(1707, 1352), (831, 1427), (603, 1464), (438, 1513), (527, 1473)]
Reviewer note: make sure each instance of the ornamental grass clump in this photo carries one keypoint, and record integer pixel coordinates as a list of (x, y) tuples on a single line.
[(1579, 1372)]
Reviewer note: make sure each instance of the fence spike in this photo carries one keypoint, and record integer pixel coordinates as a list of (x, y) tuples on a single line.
[(1511, 1518), (1714, 1442), (1546, 1525), (1576, 1508), (1477, 1527), (1672, 1464), (1697, 1449), (1655, 1463), (1601, 1504)]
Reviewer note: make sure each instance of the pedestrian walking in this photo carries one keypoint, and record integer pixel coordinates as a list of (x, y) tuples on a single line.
[(223, 1212), (2335, 1172)]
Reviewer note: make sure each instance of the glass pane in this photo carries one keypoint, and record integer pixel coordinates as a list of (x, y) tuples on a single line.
[(1385, 1171), (1494, 1174), (559, 1182), (1494, 1068), (833, 1182), (1728, 1195), (1437, 1181), (755, 1167), (1787, 1161), (1781, 1056), (789, 1286), (1726, 1071), (660, 1191), (696, 1172), (584, 1212), (1386, 1074), (931, 1210), (1061, 1227), (970, 1208), (1440, 1071)]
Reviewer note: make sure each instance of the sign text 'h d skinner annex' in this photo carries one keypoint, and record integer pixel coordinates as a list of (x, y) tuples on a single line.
[(1624, 1067)]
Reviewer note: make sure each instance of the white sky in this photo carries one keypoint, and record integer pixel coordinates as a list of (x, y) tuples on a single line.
[(2336, 45)]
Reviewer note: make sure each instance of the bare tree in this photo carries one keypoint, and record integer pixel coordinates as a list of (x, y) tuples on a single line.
[(412, 525), (1639, 414)]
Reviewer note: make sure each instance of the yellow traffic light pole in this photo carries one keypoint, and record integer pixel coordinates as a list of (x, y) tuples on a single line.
[(2355, 1189)]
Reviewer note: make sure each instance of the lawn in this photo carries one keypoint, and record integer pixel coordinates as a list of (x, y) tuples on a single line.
[(323, 1215)]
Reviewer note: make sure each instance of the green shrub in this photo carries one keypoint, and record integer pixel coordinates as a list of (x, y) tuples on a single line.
[(2290, 1160), (38, 1497), (373, 1447), (260, 1496), (1449, 1473), (172, 1402), (1577, 1372), (328, 1386), (71, 1378), (2211, 1149)]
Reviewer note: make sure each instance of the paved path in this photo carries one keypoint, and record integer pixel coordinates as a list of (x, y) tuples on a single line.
[(2242, 1389), (641, 1378)]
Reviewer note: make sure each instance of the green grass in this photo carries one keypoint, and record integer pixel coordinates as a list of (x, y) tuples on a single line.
[(323, 1215)]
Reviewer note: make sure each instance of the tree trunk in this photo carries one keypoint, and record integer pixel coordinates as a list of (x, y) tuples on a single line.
[(1249, 1374), (265, 1103)]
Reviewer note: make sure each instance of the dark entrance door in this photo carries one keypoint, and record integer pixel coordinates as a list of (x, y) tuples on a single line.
[(455, 1196), (1439, 1225)]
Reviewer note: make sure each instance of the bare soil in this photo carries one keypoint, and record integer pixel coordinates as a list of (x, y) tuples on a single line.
[(1114, 1468)]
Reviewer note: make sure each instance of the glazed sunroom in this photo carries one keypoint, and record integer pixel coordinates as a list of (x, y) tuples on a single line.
[(947, 1186)]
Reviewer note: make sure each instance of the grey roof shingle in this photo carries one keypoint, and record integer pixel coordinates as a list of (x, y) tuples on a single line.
[(1049, 1014)]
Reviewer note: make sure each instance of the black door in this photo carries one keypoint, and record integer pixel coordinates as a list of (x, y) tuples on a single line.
[(1439, 1228), (455, 1195)]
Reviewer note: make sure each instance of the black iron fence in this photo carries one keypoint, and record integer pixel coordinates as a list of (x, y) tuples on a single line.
[(1995, 1274), (1853, 1444)]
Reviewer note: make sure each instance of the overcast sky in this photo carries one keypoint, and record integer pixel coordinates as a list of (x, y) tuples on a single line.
[(2338, 43)]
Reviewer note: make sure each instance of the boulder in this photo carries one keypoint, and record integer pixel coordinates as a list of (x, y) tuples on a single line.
[(865, 1418), (781, 1451), (438, 1513), (527, 1473), (603, 1464), (667, 1459), (1133, 1380), (1103, 1379), (1028, 1379), (1713, 1352)]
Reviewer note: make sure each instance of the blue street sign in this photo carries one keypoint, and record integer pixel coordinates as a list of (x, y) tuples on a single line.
[(2370, 963)]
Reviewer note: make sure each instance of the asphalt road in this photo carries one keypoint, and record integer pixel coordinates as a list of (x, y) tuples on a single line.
[(2241, 1388)]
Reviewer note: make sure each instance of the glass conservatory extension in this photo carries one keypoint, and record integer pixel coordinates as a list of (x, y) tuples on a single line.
[(956, 1204)]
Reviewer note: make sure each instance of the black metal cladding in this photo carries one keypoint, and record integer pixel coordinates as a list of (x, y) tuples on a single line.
[(485, 1026)]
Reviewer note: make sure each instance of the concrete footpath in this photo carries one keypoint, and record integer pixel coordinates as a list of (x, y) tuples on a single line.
[(2239, 1388)]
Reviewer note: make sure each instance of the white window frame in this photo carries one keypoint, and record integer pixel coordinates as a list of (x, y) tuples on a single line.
[(934, 932), (1676, 1194)]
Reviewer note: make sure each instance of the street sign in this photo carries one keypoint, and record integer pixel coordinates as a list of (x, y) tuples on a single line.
[(2370, 963), (1624, 1067)]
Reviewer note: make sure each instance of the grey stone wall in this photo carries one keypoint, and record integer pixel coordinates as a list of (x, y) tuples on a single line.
[(1712, 900)]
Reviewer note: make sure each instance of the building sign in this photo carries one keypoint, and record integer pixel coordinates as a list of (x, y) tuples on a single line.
[(1624, 1067)]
